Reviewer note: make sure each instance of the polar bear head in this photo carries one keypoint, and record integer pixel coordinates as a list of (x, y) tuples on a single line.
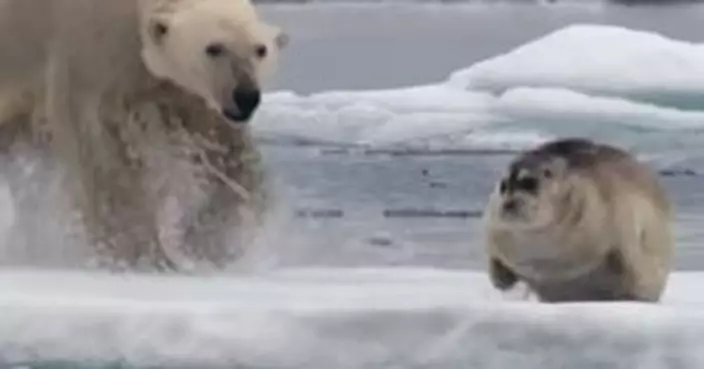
[(216, 49)]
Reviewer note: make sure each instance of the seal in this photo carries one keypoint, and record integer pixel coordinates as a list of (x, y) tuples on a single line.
[(579, 221)]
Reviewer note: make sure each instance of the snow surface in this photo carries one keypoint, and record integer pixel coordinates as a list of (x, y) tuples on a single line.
[(335, 318), (597, 58), (604, 82)]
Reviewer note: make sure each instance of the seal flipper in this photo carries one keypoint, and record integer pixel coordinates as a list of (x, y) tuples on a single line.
[(501, 276), (614, 263)]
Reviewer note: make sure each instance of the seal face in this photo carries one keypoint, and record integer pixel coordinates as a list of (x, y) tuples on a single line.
[(523, 190), (539, 180), (578, 220)]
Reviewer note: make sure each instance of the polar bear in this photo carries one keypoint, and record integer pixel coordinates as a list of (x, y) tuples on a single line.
[(109, 81)]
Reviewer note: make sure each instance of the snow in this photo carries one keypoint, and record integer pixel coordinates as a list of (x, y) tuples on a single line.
[(334, 318), (558, 103), (600, 81), (595, 58), (372, 117), (587, 72)]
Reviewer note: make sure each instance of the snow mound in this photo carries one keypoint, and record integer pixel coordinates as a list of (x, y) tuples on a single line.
[(597, 58), (334, 318)]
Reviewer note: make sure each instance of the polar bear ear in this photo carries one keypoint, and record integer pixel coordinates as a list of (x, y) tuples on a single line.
[(279, 36), (282, 39), (157, 28)]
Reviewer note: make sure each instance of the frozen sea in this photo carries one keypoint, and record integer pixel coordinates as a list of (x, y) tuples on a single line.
[(384, 131)]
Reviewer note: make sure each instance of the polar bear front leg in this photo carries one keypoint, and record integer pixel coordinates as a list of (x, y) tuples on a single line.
[(231, 175), (106, 189)]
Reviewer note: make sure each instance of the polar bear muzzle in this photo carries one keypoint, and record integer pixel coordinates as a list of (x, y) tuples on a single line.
[(245, 102)]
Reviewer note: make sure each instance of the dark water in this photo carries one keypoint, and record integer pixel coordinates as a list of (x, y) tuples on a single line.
[(417, 210)]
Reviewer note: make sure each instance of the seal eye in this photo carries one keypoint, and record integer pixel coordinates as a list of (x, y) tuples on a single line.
[(502, 187), (547, 173), (215, 50), (528, 184)]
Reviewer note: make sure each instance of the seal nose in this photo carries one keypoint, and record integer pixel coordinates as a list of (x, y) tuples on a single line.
[(510, 206), (247, 101)]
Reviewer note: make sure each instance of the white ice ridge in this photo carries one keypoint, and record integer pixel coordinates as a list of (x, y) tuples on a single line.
[(623, 82), (374, 117), (594, 58), (335, 318)]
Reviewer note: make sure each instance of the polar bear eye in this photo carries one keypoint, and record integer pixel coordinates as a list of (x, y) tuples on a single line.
[(260, 51), (215, 50)]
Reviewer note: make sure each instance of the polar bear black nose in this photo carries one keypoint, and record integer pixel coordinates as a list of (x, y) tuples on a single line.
[(247, 100)]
